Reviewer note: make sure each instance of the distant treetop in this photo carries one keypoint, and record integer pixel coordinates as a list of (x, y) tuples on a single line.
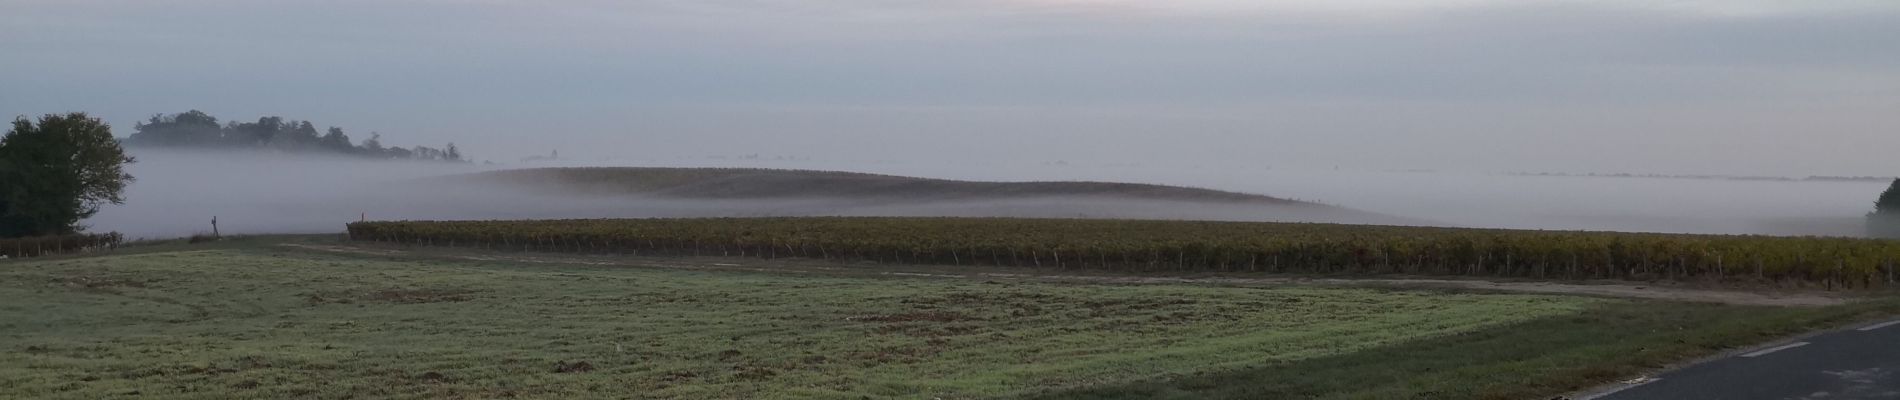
[(196, 129)]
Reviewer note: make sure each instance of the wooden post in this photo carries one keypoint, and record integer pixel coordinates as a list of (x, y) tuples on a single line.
[(214, 227)]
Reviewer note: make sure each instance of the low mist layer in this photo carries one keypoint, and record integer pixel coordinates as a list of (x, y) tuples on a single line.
[(177, 194)]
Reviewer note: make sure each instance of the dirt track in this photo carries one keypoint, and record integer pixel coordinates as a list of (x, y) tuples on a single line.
[(1612, 289)]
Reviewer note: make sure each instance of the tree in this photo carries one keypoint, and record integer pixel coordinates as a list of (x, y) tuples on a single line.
[(338, 142), (1885, 220), (373, 146), (256, 134), (1889, 202), (295, 136), (190, 128), (56, 173)]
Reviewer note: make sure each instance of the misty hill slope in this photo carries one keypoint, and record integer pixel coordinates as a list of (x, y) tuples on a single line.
[(768, 192), (747, 183)]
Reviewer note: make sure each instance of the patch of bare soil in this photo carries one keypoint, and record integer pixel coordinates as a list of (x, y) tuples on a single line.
[(1603, 289), (432, 376), (578, 366)]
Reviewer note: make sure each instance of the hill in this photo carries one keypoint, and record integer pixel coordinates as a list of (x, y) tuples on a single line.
[(750, 183), (760, 192)]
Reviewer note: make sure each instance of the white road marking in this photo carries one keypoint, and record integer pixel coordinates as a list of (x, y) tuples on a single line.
[(1766, 351), (1879, 325), (1629, 384)]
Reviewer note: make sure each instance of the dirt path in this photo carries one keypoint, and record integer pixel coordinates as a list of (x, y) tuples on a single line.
[(1624, 290)]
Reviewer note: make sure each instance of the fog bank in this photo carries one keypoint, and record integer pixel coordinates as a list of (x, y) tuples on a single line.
[(177, 193)]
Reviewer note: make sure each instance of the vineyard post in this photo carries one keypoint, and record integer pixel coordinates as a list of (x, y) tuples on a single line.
[(1831, 281), (1573, 265), (1609, 265), (1801, 262), (1836, 273)]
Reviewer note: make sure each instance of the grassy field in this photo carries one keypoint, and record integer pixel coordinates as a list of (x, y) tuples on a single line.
[(252, 320)]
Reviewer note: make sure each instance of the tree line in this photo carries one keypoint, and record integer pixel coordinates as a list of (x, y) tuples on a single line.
[(196, 129)]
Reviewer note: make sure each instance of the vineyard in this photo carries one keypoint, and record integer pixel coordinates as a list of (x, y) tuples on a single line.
[(1186, 246), (44, 245)]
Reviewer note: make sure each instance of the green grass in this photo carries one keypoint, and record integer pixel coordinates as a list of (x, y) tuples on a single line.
[(248, 321)]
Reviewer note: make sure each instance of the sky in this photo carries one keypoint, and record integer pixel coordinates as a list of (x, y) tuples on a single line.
[(1746, 87)]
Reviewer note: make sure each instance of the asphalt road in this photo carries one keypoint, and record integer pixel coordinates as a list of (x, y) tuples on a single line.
[(1853, 364)]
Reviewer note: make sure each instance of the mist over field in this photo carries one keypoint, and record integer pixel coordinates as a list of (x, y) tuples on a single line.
[(178, 192), (1298, 99)]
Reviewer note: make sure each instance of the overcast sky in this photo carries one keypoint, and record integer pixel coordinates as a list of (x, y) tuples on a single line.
[(1699, 86)]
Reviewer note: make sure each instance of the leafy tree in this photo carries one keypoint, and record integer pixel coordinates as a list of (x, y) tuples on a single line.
[(257, 133), (296, 136), (1889, 202), (336, 141), (56, 173), (373, 146), (190, 128), (1885, 220)]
